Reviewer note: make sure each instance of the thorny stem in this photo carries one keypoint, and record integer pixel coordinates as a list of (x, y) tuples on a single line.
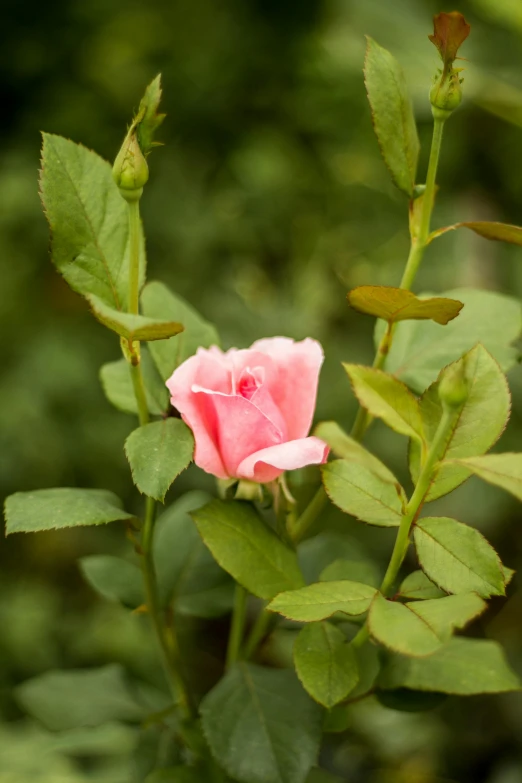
[(417, 247)]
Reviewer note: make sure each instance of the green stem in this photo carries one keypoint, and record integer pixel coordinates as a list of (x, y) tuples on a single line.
[(419, 242), (238, 625), (258, 632), (413, 508), (417, 247), (166, 636), (417, 499), (165, 632), (139, 392), (134, 262)]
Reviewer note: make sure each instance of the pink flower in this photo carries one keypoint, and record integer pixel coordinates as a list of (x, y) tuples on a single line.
[(251, 410)]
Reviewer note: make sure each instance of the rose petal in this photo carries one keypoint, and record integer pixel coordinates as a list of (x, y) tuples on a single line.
[(195, 411), (241, 427), (294, 386), (269, 463)]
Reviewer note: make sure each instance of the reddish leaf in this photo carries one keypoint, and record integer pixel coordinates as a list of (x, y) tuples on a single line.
[(449, 33)]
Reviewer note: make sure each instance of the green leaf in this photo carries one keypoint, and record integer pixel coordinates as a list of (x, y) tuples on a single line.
[(247, 549), (418, 587), (353, 570), (421, 348), (318, 552), (261, 725), (501, 470), (386, 398), (404, 700), (323, 599), (463, 667), (188, 576), (350, 450), (158, 452), (325, 663), (368, 664), (480, 422), (503, 232), (398, 304), (458, 558), (175, 775), (159, 302), (132, 327), (53, 509), (421, 627), (84, 697), (114, 579), (392, 115), (88, 220), (359, 492), (117, 384), (321, 776), (148, 120)]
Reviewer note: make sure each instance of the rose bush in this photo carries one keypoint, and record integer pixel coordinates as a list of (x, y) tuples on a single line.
[(251, 410)]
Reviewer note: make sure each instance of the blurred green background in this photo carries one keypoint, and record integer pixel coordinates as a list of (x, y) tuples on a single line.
[(267, 203)]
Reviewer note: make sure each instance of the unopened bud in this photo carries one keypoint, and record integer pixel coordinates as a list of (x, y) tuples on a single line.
[(130, 170), (453, 386), (446, 94), (449, 33)]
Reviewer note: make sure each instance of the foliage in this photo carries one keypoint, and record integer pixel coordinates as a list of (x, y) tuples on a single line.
[(412, 620)]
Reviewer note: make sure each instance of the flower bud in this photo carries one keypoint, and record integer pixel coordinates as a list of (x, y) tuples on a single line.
[(130, 170), (449, 33), (453, 386), (446, 94)]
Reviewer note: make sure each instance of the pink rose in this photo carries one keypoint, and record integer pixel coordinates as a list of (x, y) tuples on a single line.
[(251, 410)]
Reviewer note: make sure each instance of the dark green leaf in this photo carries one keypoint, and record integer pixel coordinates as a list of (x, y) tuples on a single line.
[(114, 578), (158, 452), (478, 426), (175, 775), (462, 667), (353, 570), (159, 302), (392, 115), (405, 700), (88, 220), (261, 725), (117, 385), (363, 494), (421, 348), (325, 663), (132, 327), (188, 575), (247, 549), (321, 600), (458, 558), (52, 509), (84, 697), (399, 304), (316, 553), (340, 717)]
